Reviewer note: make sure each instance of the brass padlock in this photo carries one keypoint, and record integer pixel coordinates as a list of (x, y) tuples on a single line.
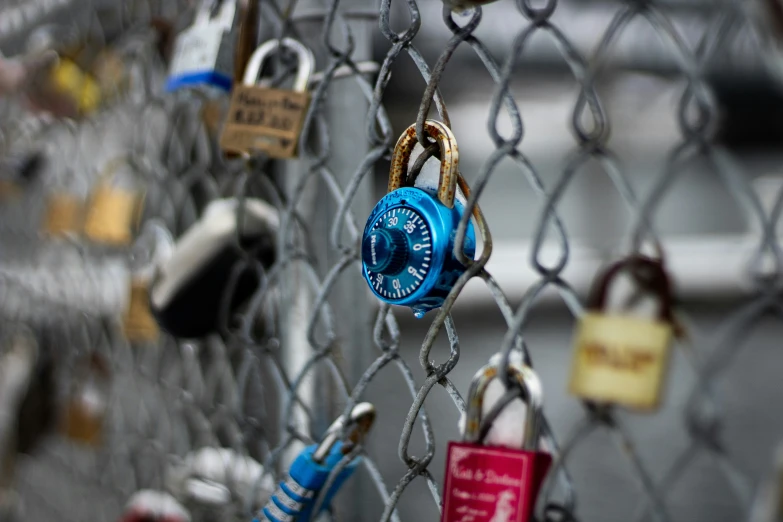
[(264, 119), (618, 358), (88, 401), (115, 206)]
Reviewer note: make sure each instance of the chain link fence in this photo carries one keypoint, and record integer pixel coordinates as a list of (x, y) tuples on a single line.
[(307, 347)]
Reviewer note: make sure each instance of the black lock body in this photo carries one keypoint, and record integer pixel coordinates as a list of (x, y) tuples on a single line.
[(187, 298)]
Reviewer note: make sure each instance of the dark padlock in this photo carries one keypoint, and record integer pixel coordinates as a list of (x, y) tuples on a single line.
[(187, 294)]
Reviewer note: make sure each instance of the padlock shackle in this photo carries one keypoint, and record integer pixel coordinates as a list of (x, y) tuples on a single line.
[(647, 272), (359, 423), (449, 159), (521, 375), (262, 52)]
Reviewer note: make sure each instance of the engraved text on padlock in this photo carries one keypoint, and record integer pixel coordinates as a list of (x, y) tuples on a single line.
[(265, 119)]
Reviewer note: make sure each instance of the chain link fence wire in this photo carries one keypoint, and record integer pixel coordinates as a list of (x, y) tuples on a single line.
[(237, 390)]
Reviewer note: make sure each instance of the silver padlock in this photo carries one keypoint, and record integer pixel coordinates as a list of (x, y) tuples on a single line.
[(204, 52)]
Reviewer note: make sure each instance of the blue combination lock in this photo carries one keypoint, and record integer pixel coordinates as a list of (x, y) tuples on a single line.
[(408, 242), (294, 499)]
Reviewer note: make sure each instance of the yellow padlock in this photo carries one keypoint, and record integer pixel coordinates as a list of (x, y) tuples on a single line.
[(621, 359), (68, 78), (138, 324), (115, 206)]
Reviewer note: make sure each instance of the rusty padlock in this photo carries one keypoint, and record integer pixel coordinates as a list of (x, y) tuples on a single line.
[(619, 358), (490, 483), (262, 119), (115, 206)]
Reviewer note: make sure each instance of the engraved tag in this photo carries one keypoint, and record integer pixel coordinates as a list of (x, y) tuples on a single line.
[(63, 215), (267, 120), (620, 359), (138, 323), (488, 484), (112, 216)]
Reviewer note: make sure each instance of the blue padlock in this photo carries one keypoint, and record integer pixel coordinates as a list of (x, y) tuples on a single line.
[(408, 242), (295, 497)]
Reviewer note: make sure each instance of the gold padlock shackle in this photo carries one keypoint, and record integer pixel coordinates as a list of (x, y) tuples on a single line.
[(647, 272), (449, 159), (527, 380), (305, 55)]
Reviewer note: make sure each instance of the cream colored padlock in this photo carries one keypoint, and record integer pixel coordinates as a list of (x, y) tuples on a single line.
[(618, 358), (115, 206)]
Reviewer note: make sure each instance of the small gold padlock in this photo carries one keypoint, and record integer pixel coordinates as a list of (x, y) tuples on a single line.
[(115, 207), (88, 402), (621, 359), (138, 324), (265, 119)]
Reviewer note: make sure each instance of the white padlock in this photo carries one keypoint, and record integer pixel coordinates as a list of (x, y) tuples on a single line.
[(204, 52)]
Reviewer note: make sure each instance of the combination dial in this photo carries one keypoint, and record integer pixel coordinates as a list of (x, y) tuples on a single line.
[(397, 253)]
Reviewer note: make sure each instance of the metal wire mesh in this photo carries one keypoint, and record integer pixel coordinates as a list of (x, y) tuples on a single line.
[(238, 391)]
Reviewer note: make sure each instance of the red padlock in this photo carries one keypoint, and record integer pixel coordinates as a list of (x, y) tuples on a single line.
[(490, 483), (154, 506)]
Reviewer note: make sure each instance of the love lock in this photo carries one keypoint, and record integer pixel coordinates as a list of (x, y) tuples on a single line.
[(264, 119), (295, 498), (204, 52), (187, 295), (503, 483), (408, 242), (619, 358), (219, 480)]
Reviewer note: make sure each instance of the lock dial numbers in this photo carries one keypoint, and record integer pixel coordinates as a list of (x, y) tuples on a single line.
[(397, 253)]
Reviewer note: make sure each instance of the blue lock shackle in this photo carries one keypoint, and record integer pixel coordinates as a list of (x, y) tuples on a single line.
[(408, 241), (294, 498)]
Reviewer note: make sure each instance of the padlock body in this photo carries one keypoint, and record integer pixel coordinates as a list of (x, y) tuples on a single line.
[(486, 483), (195, 310), (620, 360), (113, 215), (407, 249), (264, 120), (295, 497), (203, 55), (138, 323)]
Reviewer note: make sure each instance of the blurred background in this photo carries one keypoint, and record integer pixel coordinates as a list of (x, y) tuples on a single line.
[(709, 229)]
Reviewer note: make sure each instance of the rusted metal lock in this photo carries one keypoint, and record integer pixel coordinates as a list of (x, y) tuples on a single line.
[(619, 358), (262, 119), (115, 206), (490, 483), (408, 243), (88, 401)]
